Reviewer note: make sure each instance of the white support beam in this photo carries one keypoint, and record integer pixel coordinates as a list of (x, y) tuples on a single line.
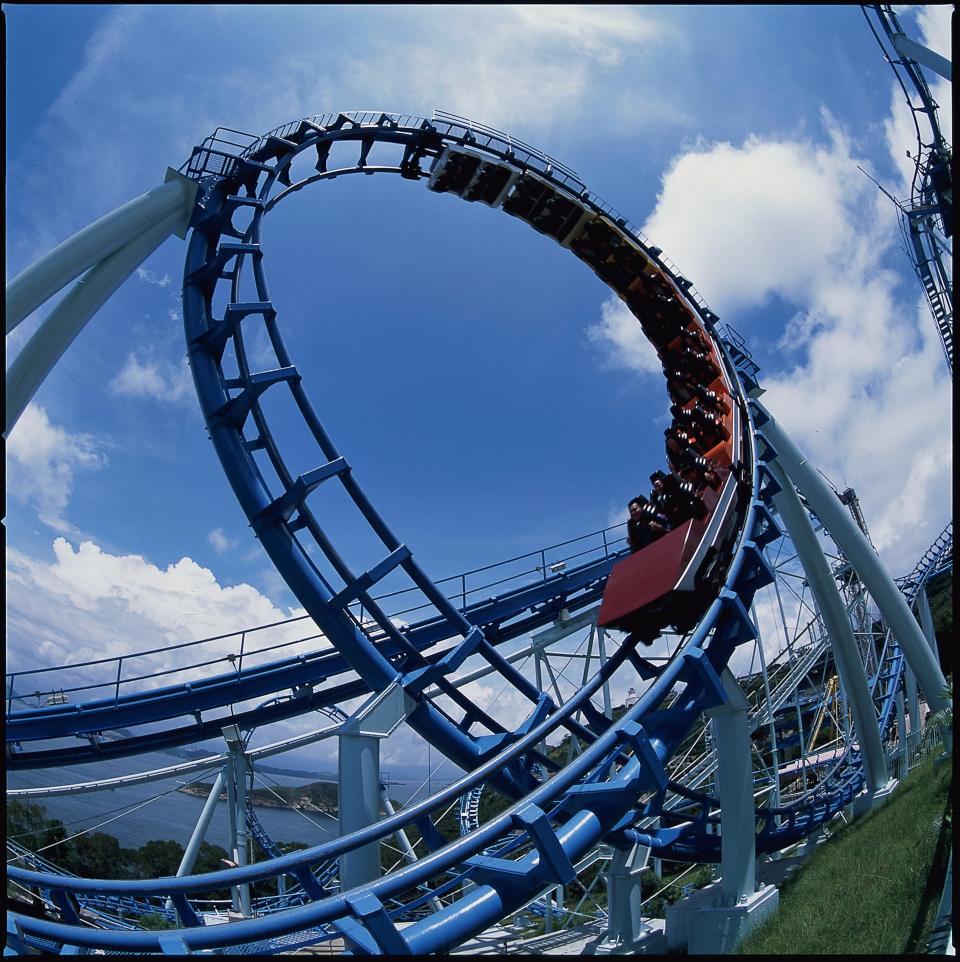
[(926, 623), (922, 55), (170, 203), (238, 774), (358, 770), (834, 614), (863, 557), (39, 355)]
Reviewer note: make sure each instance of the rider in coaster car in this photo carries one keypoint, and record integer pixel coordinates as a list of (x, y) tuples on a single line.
[(681, 386), (676, 498), (705, 426), (684, 460), (710, 400), (645, 524), (699, 364)]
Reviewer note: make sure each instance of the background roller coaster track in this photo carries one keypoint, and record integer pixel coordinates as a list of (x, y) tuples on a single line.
[(620, 780)]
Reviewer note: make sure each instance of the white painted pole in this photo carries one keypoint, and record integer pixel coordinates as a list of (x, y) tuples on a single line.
[(236, 773), (864, 559), (903, 755), (409, 856), (601, 648), (923, 55), (34, 285), (200, 830), (834, 614), (38, 356), (230, 779), (913, 708)]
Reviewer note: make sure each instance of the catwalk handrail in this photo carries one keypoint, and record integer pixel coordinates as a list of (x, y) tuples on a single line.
[(11, 677), (608, 548)]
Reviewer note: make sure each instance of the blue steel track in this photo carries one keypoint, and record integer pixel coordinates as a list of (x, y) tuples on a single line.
[(619, 781)]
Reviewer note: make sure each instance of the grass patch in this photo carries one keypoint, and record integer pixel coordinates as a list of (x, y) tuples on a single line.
[(875, 886)]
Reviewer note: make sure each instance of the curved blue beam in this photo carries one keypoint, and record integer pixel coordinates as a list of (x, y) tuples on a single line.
[(572, 589)]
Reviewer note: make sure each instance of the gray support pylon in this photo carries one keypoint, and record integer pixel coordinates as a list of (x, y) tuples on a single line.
[(864, 559), (774, 743), (903, 753), (913, 707), (239, 770), (38, 356), (834, 615), (602, 651), (624, 900), (735, 774), (170, 203), (232, 827), (358, 774), (358, 770), (199, 831)]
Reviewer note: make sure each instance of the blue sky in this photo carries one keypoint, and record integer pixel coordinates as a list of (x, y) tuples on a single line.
[(490, 395)]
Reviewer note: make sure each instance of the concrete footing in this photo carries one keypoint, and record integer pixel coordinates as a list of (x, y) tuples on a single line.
[(649, 940), (702, 925), (866, 801)]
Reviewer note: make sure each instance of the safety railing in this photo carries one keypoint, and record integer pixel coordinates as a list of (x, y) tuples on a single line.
[(250, 647)]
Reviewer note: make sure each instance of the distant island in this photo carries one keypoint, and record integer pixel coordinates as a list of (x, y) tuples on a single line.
[(320, 797)]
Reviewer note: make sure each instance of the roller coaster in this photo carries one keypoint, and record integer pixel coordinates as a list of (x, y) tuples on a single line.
[(786, 690)]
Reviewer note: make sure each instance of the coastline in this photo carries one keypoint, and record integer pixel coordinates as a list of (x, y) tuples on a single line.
[(317, 797)]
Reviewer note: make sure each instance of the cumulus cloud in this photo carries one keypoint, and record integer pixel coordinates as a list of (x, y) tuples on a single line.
[(619, 332), (858, 378), (155, 378), (88, 603), (762, 218), (220, 542), (42, 459)]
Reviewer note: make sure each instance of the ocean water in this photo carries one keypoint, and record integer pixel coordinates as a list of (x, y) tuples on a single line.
[(135, 815)]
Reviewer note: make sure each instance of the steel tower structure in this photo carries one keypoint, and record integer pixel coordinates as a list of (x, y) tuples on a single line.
[(926, 218)]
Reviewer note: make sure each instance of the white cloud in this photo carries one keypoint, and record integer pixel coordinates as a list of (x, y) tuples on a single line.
[(464, 59), (767, 217), (220, 542), (156, 379), (859, 381), (41, 461), (148, 277), (620, 332), (599, 31), (88, 603), (502, 65)]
